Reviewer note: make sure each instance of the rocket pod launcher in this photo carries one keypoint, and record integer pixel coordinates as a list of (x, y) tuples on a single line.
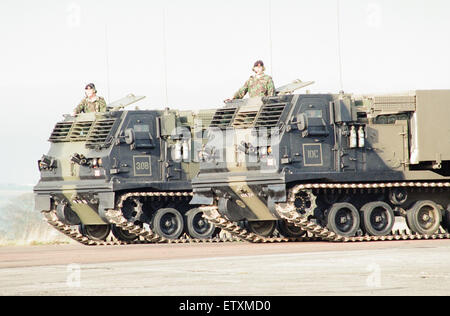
[(350, 164)]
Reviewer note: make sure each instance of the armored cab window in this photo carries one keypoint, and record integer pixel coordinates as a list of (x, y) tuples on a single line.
[(141, 128), (143, 136), (315, 123), (312, 118), (139, 136), (314, 114)]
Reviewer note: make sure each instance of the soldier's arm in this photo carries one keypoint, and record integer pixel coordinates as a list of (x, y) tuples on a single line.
[(270, 88), (102, 105), (242, 91), (80, 107)]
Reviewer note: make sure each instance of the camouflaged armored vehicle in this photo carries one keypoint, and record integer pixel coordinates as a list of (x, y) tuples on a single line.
[(339, 166), (125, 171)]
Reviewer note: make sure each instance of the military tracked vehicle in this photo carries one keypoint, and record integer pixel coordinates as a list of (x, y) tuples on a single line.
[(339, 167), (128, 171)]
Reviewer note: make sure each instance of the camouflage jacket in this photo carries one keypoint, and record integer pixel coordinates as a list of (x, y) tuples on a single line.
[(257, 87), (86, 106)]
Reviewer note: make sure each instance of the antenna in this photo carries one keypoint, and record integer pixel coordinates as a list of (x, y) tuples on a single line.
[(339, 43), (165, 56), (270, 36), (107, 61)]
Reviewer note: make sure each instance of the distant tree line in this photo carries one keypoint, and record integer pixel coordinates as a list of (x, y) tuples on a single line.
[(19, 222)]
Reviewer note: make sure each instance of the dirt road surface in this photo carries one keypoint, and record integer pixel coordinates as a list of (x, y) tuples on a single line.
[(314, 268)]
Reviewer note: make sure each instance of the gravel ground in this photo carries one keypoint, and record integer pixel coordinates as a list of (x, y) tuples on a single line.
[(382, 268)]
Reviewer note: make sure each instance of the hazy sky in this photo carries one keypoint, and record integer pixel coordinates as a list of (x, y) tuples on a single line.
[(51, 49)]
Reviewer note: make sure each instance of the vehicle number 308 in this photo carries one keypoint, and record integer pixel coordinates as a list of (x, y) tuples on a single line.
[(144, 165)]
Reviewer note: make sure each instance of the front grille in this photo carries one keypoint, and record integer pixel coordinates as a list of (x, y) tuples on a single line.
[(95, 133), (99, 132), (60, 132), (244, 119), (80, 131), (270, 115), (223, 117)]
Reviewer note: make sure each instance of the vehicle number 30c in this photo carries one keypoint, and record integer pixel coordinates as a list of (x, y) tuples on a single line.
[(144, 165)]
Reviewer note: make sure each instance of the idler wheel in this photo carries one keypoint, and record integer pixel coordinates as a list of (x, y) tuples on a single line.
[(96, 232), (66, 215), (261, 228), (197, 226), (343, 219), (378, 218), (424, 217), (168, 223), (289, 230)]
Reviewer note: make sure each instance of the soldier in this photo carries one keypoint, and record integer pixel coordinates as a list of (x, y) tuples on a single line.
[(92, 102), (259, 85)]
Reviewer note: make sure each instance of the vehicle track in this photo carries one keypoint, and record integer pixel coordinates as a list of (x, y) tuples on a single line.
[(289, 212), (116, 217)]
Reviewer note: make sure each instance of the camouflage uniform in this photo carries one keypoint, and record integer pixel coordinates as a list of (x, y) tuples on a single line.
[(257, 87), (86, 106)]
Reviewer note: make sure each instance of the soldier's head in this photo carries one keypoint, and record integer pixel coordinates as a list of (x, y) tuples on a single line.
[(258, 67), (90, 90)]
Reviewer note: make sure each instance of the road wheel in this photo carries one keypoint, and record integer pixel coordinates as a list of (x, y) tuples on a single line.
[(122, 235), (446, 219), (96, 232), (261, 228), (378, 218), (289, 230), (424, 217), (343, 219), (168, 223), (197, 226)]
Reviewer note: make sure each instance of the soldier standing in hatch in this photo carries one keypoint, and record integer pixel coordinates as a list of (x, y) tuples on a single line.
[(259, 85), (92, 102)]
